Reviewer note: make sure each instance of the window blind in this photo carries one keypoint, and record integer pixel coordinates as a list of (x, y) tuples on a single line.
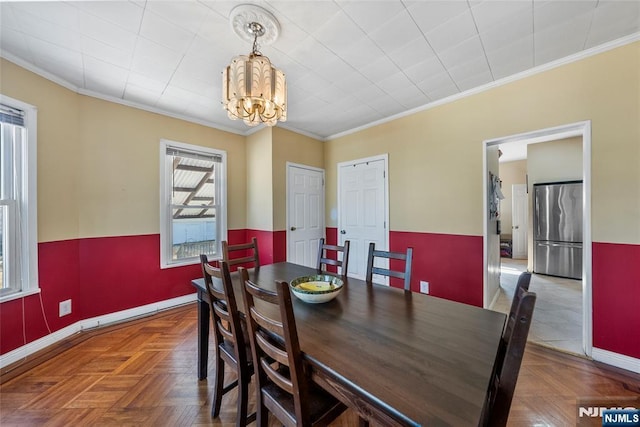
[(172, 151), (11, 115)]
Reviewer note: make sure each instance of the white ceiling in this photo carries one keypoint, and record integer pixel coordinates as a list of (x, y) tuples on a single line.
[(348, 63)]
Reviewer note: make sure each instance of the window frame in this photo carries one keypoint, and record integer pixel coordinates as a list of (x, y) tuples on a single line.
[(166, 171), (28, 273)]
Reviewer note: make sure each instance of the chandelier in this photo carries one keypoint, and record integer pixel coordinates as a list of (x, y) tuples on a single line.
[(253, 90)]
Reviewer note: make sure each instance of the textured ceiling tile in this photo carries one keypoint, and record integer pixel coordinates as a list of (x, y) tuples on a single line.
[(45, 52), (424, 69), (165, 33), (388, 38), (126, 15), (378, 69), (47, 31), (469, 69), (111, 34), (557, 12), (338, 32), (15, 43), (452, 33), (99, 50), (411, 53), (463, 52), (370, 15), (489, 13), (517, 26), (62, 14), (141, 95), (310, 16), (185, 14), (431, 14)]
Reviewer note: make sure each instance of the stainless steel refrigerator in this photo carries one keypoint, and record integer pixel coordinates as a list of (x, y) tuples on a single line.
[(557, 229)]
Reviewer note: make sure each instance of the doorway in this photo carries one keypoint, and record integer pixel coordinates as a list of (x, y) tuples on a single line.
[(305, 213), (491, 263)]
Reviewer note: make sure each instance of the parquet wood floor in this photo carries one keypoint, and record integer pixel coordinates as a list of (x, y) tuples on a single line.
[(144, 374)]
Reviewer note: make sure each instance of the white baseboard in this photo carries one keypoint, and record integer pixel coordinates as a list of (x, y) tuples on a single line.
[(615, 359), (494, 299), (39, 344)]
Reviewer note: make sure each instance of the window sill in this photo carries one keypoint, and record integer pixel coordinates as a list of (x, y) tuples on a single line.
[(18, 295), (190, 261)]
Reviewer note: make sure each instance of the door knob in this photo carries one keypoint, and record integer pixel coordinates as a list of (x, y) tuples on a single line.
[(516, 227), (343, 231), (293, 229)]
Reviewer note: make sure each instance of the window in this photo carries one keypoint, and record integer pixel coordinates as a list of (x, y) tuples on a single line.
[(18, 210), (192, 203)]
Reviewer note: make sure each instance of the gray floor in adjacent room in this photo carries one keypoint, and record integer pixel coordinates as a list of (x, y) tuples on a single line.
[(557, 318)]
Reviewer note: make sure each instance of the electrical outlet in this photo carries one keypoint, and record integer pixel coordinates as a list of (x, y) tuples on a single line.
[(65, 307), (424, 287)]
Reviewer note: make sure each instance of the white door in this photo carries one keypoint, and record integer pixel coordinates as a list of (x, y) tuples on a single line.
[(362, 209), (519, 214), (305, 201)]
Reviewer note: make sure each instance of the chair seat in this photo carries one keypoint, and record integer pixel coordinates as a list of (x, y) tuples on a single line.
[(322, 406)]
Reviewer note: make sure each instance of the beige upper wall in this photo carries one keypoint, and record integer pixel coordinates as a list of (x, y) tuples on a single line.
[(554, 161), (98, 162), (120, 167), (58, 154), (259, 180), (435, 156), (295, 148)]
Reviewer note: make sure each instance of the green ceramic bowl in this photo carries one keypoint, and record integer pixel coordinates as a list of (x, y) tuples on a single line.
[(317, 288)]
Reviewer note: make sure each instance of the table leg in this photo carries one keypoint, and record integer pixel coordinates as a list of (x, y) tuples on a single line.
[(203, 337)]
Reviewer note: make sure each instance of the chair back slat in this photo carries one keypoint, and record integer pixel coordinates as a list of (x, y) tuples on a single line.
[(273, 350), (399, 256), (323, 257), (240, 256), (274, 375), (505, 377)]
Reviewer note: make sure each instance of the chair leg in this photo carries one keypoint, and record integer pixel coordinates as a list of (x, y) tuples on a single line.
[(218, 381), (243, 398), (262, 415)]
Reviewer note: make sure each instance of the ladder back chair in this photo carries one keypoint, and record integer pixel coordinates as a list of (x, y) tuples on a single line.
[(323, 258), (505, 375), (284, 386), (230, 340), (245, 253), (406, 257)]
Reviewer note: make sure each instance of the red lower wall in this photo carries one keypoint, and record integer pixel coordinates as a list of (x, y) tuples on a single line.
[(452, 264), (110, 274), (106, 275), (616, 298)]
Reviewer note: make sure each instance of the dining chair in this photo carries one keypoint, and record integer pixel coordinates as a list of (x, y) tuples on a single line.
[(505, 375), (230, 340), (522, 286), (283, 384), (406, 257), (342, 262), (245, 253)]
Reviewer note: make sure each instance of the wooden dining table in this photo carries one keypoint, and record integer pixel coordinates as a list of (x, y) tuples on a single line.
[(396, 357)]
